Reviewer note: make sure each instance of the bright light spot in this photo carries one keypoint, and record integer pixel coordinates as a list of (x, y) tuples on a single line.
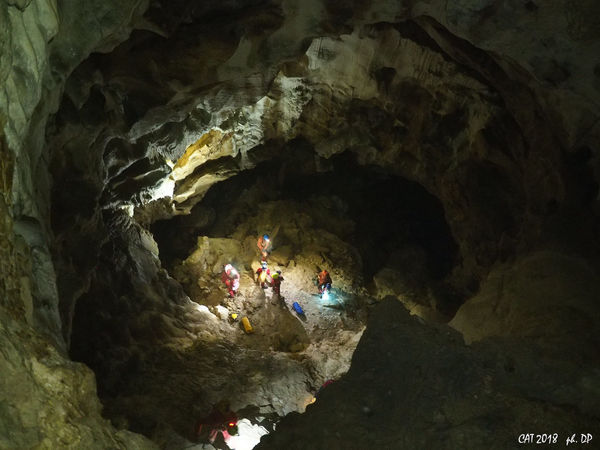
[(326, 295), (164, 189), (248, 436), (203, 309), (308, 399), (128, 209)]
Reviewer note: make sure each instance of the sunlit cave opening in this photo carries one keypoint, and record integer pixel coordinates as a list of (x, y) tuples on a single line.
[(164, 363)]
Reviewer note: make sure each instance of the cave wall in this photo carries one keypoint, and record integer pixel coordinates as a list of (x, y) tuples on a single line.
[(47, 400), (414, 385), (42, 43)]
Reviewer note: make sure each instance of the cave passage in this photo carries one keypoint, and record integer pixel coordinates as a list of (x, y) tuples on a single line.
[(378, 234), (387, 213)]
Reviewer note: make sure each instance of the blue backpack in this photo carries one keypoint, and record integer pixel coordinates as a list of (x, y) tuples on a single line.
[(297, 308)]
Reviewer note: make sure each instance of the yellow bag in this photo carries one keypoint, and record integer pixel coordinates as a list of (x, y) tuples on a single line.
[(247, 327)]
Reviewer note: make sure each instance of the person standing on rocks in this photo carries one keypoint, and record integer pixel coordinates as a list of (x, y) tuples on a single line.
[(231, 278), (277, 279), (323, 282), (264, 246), (263, 275)]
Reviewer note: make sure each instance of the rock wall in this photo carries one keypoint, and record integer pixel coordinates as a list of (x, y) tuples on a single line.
[(412, 385), (47, 400), (42, 43), (546, 297)]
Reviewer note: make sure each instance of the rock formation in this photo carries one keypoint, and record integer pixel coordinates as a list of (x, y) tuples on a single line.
[(417, 386)]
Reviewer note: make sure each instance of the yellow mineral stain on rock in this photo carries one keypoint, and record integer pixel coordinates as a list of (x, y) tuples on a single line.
[(211, 145)]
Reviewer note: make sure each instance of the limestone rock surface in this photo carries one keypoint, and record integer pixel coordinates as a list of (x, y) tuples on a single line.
[(544, 296), (411, 385), (48, 401)]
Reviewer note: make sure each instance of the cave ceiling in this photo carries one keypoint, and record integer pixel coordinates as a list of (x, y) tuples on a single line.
[(439, 95)]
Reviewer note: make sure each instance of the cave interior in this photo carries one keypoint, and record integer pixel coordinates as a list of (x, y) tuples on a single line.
[(440, 161)]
